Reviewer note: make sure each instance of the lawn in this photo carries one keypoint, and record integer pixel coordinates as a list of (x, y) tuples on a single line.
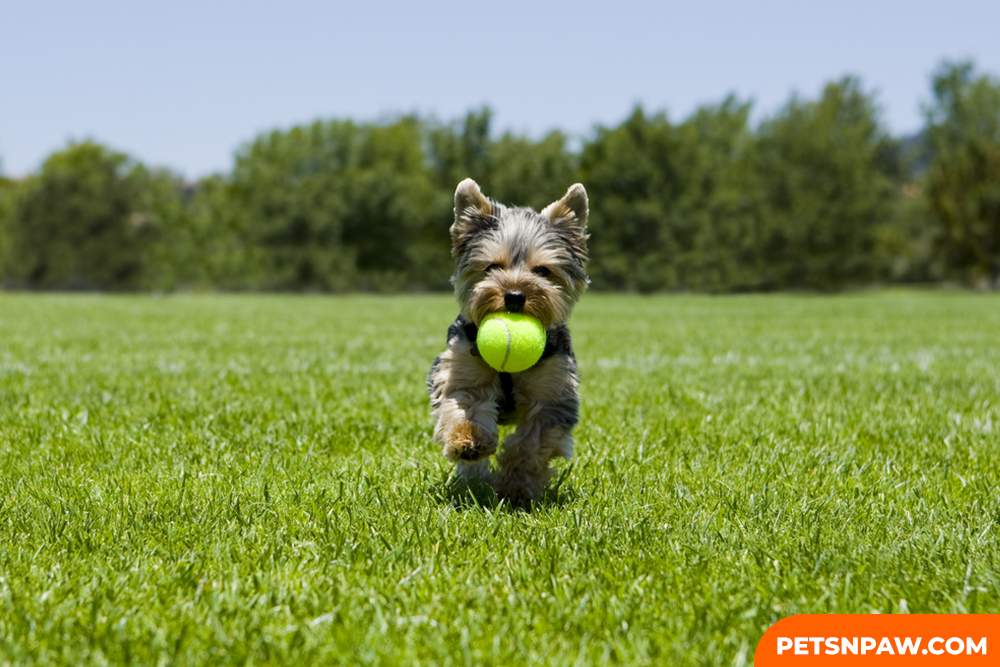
[(250, 480)]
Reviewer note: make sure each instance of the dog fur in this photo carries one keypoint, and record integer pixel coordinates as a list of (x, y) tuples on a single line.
[(517, 260)]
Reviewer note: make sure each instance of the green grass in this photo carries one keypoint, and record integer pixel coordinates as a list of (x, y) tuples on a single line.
[(250, 479)]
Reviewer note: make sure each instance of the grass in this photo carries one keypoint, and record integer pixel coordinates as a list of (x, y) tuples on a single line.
[(250, 480)]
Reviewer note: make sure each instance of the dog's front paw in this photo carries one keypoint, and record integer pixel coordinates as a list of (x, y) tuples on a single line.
[(467, 441)]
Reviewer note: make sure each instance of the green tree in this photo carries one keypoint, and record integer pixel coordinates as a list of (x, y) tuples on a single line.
[(337, 205), (530, 173), (462, 150), (715, 222), (963, 179), (7, 187), (216, 244), (632, 180), (513, 169), (673, 206), (827, 171), (80, 222), (199, 243)]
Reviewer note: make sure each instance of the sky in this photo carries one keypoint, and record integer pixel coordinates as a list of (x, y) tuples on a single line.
[(184, 84)]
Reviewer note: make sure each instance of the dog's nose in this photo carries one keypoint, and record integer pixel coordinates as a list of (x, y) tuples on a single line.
[(514, 301)]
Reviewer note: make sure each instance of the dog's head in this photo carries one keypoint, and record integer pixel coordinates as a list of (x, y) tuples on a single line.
[(516, 260)]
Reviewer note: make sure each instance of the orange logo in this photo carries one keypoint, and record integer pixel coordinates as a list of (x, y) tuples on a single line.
[(881, 639)]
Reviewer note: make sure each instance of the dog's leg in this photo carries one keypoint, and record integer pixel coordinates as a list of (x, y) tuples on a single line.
[(464, 393), (467, 428), (547, 408), (525, 457)]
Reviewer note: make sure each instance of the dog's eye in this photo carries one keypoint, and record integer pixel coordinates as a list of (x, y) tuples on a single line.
[(542, 271), (492, 267)]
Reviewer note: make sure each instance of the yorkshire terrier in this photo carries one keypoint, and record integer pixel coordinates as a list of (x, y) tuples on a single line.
[(515, 260)]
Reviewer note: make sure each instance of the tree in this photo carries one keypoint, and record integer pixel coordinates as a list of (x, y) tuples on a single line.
[(716, 220), (337, 205), (80, 223), (530, 173), (963, 180), (7, 187), (462, 150), (827, 171), (673, 206), (632, 179), (513, 169)]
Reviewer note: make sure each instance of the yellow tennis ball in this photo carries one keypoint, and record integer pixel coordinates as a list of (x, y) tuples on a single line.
[(510, 342)]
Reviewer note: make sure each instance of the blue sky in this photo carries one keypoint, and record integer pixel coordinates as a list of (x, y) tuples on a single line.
[(183, 84)]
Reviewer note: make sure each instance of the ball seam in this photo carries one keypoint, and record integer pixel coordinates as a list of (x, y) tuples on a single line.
[(506, 357)]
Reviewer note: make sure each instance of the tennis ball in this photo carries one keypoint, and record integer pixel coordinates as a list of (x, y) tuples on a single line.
[(510, 342)]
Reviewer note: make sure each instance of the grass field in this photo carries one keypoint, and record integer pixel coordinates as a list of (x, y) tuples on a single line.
[(250, 480)]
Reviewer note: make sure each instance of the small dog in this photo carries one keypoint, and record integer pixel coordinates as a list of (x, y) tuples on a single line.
[(519, 261)]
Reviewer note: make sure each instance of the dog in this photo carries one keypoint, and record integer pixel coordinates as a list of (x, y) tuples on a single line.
[(516, 260)]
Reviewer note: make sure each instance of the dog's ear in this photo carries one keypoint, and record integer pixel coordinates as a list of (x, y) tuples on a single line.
[(474, 214), (569, 216), (570, 212)]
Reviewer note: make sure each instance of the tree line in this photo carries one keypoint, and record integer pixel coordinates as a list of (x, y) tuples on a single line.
[(819, 196)]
